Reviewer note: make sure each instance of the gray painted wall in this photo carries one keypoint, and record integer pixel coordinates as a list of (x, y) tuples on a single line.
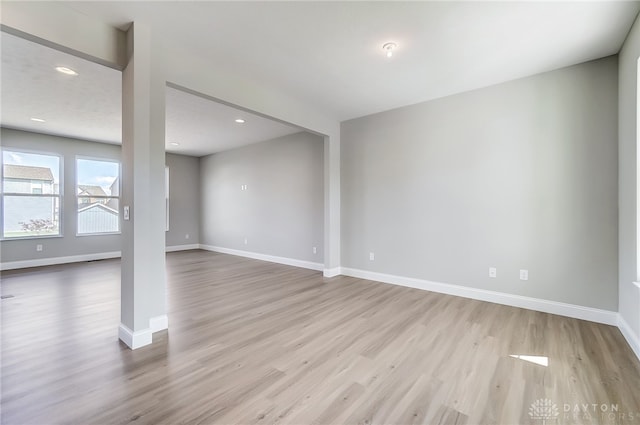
[(184, 199), (628, 175), (281, 212), (521, 175)]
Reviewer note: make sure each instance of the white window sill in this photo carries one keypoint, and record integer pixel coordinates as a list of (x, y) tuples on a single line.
[(80, 235), (26, 238)]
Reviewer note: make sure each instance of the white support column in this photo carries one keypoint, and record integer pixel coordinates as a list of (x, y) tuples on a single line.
[(332, 205), (143, 280)]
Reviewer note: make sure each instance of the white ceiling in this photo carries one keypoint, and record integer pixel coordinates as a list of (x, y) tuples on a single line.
[(202, 126), (86, 106), (89, 106), (327, 54)]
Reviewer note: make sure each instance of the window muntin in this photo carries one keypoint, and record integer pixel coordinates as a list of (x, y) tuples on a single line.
[(98, 196), (31, 194)]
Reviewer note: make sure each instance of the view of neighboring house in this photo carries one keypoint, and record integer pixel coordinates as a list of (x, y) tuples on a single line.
[(92, 194), (115, 191), (32, 204), (21, 210), (97, 218), (97, 212), (28, 179)]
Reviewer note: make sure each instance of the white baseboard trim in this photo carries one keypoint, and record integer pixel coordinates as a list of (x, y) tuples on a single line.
[(632, 339), (336, 271), (175, 248), (58, 260), (159, 323), (134, 339), (546, 306), (144, 337), (265, 257), (11, 265)]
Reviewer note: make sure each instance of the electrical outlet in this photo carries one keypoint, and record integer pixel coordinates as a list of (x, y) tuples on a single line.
[(186, 236), (246, 241), (493, 272), (39, 247), (524, 274), (372, 256), (315, 250)]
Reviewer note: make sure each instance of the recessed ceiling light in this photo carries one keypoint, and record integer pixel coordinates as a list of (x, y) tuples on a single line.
[(65, 70), (240, 121), (37, 120), (389, 48), (174, 144)]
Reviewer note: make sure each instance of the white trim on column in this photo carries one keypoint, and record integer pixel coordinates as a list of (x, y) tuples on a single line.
[(629, 335), (554, 307), (265, 257), (159, 323), (134, 339), (336, 271), (144, 337), (10, 265), (627, 331), (174, 248)]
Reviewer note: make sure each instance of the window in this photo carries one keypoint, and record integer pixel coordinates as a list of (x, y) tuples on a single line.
[(30, 194), (98, 192)]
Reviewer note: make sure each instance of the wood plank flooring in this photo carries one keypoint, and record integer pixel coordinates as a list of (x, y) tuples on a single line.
[(251, 342)]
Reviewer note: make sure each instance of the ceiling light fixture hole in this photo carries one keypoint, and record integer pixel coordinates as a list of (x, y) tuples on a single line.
[(389, 48)]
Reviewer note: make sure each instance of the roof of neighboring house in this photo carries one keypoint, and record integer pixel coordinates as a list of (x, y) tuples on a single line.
[(27, 172), (115, 187), (91, 190), (99, 206)]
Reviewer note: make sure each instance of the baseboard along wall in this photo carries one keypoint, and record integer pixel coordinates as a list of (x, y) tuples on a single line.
[(141, 338), (265, 257)]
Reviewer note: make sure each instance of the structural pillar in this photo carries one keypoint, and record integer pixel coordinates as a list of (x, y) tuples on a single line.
[(143, 276), (332, 205)]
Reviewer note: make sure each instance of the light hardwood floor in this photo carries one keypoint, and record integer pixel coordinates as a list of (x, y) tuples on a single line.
[(252, 342)]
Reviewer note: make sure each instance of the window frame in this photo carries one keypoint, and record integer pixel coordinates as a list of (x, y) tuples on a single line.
[(59, 195), (78, 197)]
